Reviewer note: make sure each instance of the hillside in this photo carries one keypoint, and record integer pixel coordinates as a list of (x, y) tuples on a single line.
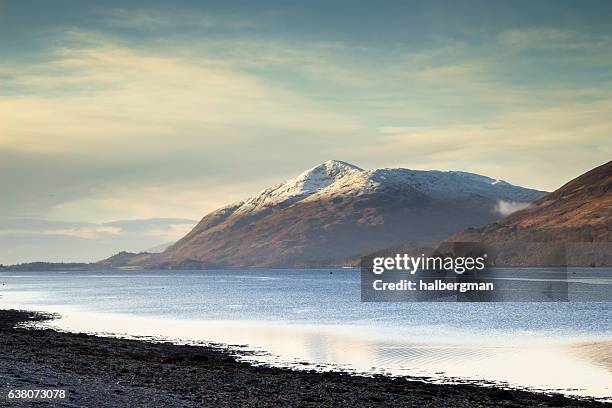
[(573, 222), (337, 211), (579, 211)]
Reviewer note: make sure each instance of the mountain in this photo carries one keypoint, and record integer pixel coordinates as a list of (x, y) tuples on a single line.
[(578, 214), (337, 211), (126, 259), (579, 211), (158, 248)]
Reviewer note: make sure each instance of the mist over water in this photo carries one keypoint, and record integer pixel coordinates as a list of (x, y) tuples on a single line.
[(317, 316)]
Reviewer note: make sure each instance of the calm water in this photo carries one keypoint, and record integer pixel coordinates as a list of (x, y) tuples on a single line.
[(315, 316)]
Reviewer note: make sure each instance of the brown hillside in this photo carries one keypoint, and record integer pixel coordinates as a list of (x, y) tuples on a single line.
[(579, 211)]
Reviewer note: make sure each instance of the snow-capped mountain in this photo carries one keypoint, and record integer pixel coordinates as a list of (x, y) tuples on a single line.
[(336, 211), (335, 177), (309, 182)]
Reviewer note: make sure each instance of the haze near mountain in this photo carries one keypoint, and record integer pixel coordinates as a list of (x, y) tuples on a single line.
[(571, 226), (579, 211)]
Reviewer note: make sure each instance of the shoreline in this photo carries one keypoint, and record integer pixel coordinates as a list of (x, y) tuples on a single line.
[(115, 372)]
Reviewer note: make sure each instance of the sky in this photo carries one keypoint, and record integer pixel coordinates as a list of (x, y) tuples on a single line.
[(158, 112)]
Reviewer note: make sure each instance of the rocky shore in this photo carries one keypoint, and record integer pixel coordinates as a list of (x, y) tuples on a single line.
[(110, 372)]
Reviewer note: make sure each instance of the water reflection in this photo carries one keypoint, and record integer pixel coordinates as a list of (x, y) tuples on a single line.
[(537, 364)]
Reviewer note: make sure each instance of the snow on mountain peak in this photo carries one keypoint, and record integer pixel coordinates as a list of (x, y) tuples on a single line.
[(338, 167), (335, 177), (307, 183), (324, 174)]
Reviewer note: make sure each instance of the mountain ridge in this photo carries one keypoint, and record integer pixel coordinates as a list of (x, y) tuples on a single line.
[(580, 210), (337, 210), (572, 226)]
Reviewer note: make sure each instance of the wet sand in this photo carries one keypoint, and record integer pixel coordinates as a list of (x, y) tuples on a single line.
[(111, 372)]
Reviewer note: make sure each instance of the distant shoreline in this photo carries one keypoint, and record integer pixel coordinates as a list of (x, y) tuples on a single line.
[(61, 267), (112, 372)]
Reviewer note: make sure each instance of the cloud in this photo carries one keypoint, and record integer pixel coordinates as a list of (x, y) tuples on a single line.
[(151, 227), (505, 208), (26, 240), (512, 146), (150, 19), (82, 232), (108, 92), (537, 38), (109, 126), (551, 41), (100, 120)]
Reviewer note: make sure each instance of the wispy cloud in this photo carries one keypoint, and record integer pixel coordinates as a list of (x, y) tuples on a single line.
[(151, 19), (505, 208), (25, 240), (111, 92), (543, 141), (173, 122), (83, 232)]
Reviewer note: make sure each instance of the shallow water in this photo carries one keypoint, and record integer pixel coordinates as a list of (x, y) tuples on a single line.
[(317, 316)]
